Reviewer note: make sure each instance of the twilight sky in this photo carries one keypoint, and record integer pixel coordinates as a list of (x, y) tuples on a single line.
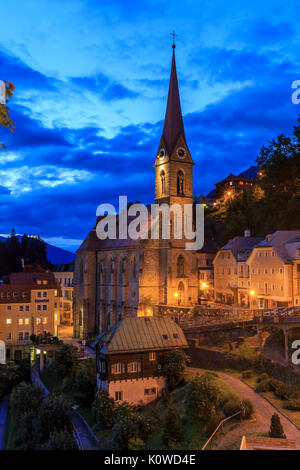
[(91, 81)]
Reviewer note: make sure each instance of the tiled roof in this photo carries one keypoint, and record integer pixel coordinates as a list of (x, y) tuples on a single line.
[(240, 245), (142, 334), (31, 278)]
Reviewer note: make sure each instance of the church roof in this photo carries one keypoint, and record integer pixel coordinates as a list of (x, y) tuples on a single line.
[(133, 334), (173, 126)]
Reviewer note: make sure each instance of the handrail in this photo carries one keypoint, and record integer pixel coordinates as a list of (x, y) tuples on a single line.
[(219, 425)]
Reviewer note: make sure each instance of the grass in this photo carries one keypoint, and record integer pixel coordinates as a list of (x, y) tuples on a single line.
[(247, 347)]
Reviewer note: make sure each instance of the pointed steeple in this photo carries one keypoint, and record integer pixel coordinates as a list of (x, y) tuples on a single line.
[(173, 126)]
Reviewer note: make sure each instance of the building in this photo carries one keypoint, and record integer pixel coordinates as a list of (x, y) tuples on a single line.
[(64, 274), (267, 443), (27, 307), (205, 258), (114, 279), (274, 270), (131, 355), (232, 185), (231, 272)]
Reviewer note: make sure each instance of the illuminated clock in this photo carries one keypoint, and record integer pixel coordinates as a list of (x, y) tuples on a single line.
[(181, 152)]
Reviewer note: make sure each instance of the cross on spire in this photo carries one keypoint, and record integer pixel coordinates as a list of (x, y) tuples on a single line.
[(174, 36)]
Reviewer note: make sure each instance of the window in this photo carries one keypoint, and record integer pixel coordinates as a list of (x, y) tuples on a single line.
[(39, 281), (180, 266), (150, 391), (180, 183), (38, 321), (26, 322), (26, 335), (45, 320), (152, 356), (281, 270), (39, 294), (118, 396), (45, 307), (39, 308), (133, 367), (21, 308), (9, 307), (45, 294), (163, 181), (20, 321), (8, 336), (116, 368), (45, 282), (8, 321), (20, 336), (27, 308)]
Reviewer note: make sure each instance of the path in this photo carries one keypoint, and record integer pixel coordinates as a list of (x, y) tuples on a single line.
[(3, 420), (262, 408), (83, 434)]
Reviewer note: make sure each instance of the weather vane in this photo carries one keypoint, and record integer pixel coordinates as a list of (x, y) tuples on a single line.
[(173, 36)]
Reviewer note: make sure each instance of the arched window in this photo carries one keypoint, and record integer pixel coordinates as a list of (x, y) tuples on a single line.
[(81, 273), (180, 182), (163, 181), (180, 266)]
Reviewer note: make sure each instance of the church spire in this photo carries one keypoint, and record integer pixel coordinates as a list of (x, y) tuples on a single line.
[(173, 126)]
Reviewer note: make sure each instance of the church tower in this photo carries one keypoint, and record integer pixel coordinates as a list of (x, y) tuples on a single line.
[(177, 267), (173, 164)]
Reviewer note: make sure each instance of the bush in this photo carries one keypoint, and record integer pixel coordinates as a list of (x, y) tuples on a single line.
[(25, 398), (267, 385), (136, 444), (54, 414), (284, 391), (213, 422), (232, 407), (293, 404), (174, 366), (66, 360), (247, 374), (104, 410), (133, 426), (262, 377), (248, 409), (276, 429), (202, 398), (60, 440), (84, 383), (171, 429)]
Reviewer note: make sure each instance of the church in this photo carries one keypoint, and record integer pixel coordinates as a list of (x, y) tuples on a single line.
[(120, 278)]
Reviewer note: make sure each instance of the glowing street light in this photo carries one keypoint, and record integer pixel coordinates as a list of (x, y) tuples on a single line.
[(176, 294), (252, 292), (204, 285)]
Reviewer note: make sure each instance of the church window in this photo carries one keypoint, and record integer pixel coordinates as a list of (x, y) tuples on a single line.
[(180, 183), (180, 266), (163, 182)]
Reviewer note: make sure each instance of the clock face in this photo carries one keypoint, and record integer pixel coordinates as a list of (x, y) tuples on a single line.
[(181, 152), (162, 153)]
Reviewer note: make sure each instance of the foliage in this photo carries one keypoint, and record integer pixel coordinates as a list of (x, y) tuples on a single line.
[(232, 407), (174, 366), (54, 414), (66, 360), (261, 378), (247, 374), (293, 404), (132, 426), (104, 410), (32, 250), (247, 409), (135, 443), (5, 119), (60, 440), (276, 429), (84, 383), (25, 398), (171, 428), (9, 377), (203, 397)]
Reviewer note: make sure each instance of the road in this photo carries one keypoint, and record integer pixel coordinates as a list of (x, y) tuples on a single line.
[(3, 419), (78, 423), (262, 408)]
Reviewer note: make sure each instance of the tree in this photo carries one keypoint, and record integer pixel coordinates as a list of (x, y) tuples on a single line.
[(202, 398), (104, 410), (134, 426), (60, 440), (5, 119), (276, 429), (66, 360), (25, 398), (84, 384), (174, 366), (171, 429), (54, 414)]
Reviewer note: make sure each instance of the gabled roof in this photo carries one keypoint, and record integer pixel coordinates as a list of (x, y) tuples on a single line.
[(282, 241), (242, 246), (173, 125), (135, 334)]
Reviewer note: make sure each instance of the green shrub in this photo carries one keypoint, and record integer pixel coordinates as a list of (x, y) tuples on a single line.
[(202, 397), (174, 366), (60, 440), (267, 385), (248, 409), (213, 422), (247, 374), (276, 429), (232, 407), (104, 410), (284, 391), (262, 377), (293, 404), (171, 428)]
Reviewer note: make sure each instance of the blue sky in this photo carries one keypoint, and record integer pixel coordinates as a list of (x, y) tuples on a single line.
[(91, 83)]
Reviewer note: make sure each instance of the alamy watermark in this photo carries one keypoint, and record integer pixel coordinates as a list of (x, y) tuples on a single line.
[(152, 222), (296, 94)]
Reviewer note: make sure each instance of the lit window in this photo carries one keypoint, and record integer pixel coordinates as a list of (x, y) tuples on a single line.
[(20, 321), (38, 321), (45, 320), (26, 321), (39, 281), (116, 368), (8, 321), (152, 356), (133, 367)]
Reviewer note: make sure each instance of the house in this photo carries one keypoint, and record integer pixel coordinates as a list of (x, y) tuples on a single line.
[(205, 258), (64, 274), (267, 443), (232, 185), (27, 307), (231, 272), (274, 267), (131, 355)]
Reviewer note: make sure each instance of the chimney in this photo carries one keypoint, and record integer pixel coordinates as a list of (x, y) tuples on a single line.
[(247, 233)]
